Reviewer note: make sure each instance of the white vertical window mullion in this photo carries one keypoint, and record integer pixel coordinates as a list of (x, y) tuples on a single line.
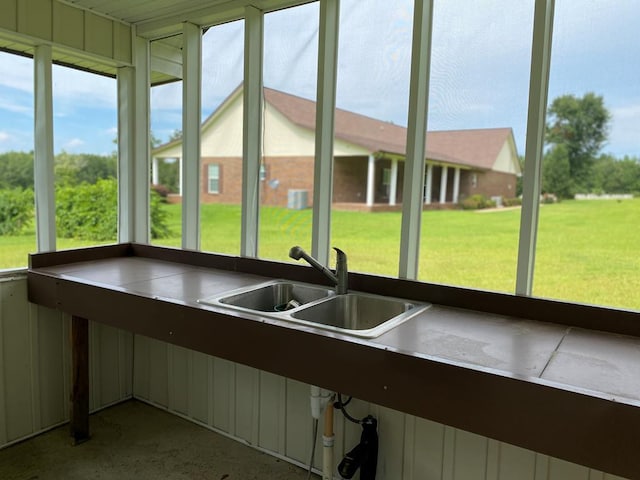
[(191, 94), (126, 153), (43, 150), (412, 195), (325, 128), (538, 95), (141, 131), (252, 130)]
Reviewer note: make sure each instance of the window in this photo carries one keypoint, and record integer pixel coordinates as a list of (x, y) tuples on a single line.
[(85, 127), (213, 178), (372, 100), (588, 241), (290, 72), (221, 137), (478, 97), (17, 226)]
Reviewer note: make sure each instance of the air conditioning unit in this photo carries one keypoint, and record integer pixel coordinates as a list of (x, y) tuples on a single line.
[(297, 199)]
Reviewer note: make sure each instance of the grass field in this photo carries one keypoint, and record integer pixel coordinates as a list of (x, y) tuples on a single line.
[(587, 251)]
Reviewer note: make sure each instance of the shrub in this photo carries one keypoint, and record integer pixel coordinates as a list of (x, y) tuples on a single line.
[(90, 212), (477, 201), (511, 202), (16, 210)]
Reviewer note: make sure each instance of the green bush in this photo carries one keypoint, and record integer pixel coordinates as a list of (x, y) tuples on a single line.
[(16, 210), (478, 201), (90, 212), (512, 202)]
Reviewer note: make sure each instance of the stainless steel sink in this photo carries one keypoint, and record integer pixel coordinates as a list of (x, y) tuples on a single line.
[(358, 314), (273, 296)]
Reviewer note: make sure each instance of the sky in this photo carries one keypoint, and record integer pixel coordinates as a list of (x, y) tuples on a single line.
[(479, 70)]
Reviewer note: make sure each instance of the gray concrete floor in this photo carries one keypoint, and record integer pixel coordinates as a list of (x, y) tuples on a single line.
[(133, 440)]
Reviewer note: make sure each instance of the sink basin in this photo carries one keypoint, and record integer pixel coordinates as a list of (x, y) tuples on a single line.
[(273, 296), (359, 314)]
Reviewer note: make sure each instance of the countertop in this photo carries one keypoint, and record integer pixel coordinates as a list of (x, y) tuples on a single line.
[(557, 388)]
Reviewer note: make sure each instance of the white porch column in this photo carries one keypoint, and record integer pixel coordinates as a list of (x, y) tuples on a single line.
[(43, 151), (443, 184), (155, 177), (371, 176), (428, 184), (393, 187), (456, 184)]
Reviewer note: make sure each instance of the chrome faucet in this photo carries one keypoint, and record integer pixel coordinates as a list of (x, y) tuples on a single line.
[(340, 278)]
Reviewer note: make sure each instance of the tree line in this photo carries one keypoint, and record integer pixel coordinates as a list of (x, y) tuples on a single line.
[(86, 196)]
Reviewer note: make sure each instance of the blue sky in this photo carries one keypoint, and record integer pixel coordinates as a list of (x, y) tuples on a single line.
[(479, 71)]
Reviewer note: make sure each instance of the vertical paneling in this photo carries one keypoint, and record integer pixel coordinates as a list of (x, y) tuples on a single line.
[(35, 364), (223, 395), (247, 403), (515, 462), (98, 34), (17, 361), (68, 25), (273, 412), (52, 347), (299, 423), (34, 18), (424, 449), (561, 470), (178, 379), (198, 404)]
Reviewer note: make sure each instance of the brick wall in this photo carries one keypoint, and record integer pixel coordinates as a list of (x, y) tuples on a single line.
[(488, 184), (350, 180)]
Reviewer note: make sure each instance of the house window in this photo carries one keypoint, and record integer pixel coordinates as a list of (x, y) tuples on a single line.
[(386, 180), (214, 178), (474, 180)]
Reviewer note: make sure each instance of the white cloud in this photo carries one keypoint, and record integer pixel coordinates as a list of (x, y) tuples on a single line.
[(15, 107), (73, 143), (4, 137)]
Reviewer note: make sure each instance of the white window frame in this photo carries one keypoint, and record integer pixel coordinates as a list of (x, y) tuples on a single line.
[(211, 167)]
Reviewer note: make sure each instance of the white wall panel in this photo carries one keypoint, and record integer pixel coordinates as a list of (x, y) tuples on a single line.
[(35, 364)]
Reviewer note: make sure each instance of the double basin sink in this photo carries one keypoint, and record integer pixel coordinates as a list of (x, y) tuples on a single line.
[(359, 314)]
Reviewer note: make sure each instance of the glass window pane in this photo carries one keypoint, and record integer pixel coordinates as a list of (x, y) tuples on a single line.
[(166, 154), (476, 134), (286, 185), (85, 133), (17, 225), (588, 238), (221, 141), (372, 98)]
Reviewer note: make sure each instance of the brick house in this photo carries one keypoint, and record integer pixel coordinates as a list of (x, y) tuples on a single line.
[(369, 158)]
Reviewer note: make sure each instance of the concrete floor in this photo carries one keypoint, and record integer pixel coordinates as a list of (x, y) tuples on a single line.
[(133, 440)]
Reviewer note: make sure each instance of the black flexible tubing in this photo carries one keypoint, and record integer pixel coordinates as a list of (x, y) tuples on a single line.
[(341, 406)]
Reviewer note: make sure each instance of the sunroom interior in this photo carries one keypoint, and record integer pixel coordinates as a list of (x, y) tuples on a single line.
[(445, 407)]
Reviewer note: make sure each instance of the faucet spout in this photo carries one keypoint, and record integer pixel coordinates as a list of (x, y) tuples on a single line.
[(339, 278)]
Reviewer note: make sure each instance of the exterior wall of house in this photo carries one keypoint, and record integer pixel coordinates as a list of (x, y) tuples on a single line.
[(350, 179), (284, 174), (488, 183), (35, 364), (507, 159)]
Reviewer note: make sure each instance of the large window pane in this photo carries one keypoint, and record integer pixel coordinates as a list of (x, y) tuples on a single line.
[(477, 121), (221, 142), (85, 130), (166, 188), (286, 174), (17, 226), (588, 249), (372, 97)]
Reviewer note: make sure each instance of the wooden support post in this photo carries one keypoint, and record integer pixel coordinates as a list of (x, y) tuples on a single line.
[(80, 380)]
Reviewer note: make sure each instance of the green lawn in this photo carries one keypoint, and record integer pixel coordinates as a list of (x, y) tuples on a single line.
[(587, 251)]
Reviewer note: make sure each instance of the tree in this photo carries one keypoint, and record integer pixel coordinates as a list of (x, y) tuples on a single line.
[(16, 170), (581, 126), (556, 172)]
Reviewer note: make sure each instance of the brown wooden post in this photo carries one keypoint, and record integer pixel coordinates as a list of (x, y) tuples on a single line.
[(80, 380)]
